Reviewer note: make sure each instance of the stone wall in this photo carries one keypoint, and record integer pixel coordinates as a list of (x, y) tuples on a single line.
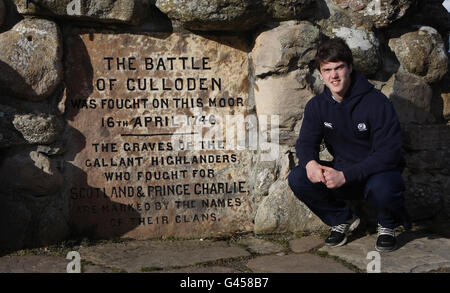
[(53, 54)]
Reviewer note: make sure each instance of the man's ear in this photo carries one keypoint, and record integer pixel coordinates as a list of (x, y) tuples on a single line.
[(350, 67)]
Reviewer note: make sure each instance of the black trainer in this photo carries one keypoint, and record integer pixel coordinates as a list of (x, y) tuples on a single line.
[(338, 235), (386, 240)]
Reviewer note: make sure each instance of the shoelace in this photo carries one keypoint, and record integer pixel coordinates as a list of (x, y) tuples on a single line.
[(385, 231), (342, 228)]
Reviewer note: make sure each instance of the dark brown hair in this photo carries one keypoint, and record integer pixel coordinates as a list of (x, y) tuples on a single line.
[(333, 50)]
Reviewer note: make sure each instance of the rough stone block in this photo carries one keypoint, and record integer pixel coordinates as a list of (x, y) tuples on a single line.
[(283, 95), (422, 52), (290, 45), (260, 246), (411, 97), (138, 255), (119, 11), (230, 15), (281, 211), (380, 13), (426, 137), (30, 172), (297, 263), (30, 59), (305, 244)]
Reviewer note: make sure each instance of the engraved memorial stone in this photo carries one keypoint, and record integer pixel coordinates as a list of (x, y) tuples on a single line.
[(142, 159)]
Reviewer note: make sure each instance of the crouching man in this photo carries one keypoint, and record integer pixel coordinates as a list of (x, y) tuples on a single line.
[(361, 130)]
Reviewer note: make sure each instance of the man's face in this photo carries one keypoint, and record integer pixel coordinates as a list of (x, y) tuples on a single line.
[(336, 76)]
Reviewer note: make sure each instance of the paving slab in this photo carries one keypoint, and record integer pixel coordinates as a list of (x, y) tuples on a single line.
[(296, 263), (33, 264), (95, 269), (138, 256), (305, 244), (203, 270), (417, 252), (43, 264), (260, 246)]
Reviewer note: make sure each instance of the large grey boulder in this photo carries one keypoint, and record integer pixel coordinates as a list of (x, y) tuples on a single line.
[(262, 176), (285, 96), (230, 15), (281, 211), (364, 46), (335, 15), (117, 11), (30, 172), (362, 41), (380, 12), (281, 57), (422, 52), (212, 15), (288, 46), (286, 9), (411, 97), (30, 59)]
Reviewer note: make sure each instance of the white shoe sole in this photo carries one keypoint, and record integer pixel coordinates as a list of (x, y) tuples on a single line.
[(352, 227), (385, 249), (339, 244)]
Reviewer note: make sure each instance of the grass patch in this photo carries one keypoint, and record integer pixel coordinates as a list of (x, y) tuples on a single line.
[(236, 263), (121, 240), (301, 234), (440, 270), (246, 247), (84, 263), (117, 270), (281, 239), (150, 269), (171, 238), (59, 250)]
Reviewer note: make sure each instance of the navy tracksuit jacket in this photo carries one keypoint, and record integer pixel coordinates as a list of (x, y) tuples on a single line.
[(363, 134)]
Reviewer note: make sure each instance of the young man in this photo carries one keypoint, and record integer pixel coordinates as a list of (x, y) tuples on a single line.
[(360, 129)]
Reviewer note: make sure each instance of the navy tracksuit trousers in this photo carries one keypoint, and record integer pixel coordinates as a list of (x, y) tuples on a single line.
[(384, 190)]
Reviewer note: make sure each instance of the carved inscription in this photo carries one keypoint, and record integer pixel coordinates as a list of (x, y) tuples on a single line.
[(149, 153)]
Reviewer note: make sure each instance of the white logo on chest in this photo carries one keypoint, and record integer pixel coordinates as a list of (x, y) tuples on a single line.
[(328, 125), (362, 127)]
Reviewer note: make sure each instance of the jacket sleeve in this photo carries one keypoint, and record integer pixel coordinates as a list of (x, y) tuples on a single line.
[(385, 153), (311, 135)]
